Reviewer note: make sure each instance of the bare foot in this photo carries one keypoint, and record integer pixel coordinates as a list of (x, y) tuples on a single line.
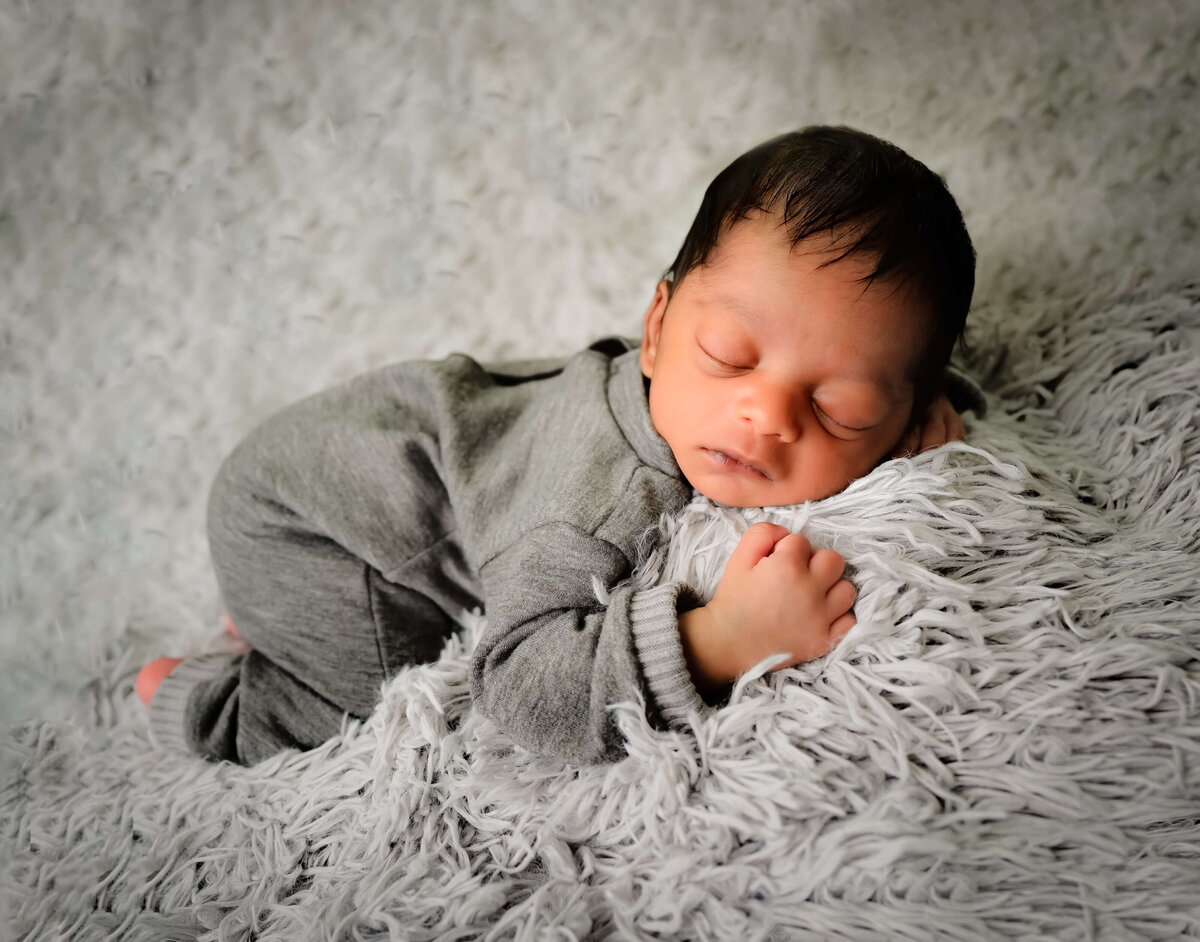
[(153, 674), (233, 642)]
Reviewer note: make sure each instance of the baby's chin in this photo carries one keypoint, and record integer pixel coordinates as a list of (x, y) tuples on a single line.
[(757, 493)]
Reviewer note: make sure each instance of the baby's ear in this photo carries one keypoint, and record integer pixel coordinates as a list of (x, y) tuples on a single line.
[(652, 327)]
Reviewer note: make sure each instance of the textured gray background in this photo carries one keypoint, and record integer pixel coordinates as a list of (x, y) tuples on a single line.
[(209, 210)]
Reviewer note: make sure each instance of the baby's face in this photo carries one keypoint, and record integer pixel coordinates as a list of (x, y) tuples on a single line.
[(776, 381)]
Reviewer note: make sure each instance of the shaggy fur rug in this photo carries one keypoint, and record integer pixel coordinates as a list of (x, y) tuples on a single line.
[(207, 212)]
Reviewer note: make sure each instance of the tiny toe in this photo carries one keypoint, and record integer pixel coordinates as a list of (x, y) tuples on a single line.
[(152, 675)]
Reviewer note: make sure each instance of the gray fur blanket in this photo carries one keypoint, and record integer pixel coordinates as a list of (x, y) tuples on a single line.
[(207, 212)]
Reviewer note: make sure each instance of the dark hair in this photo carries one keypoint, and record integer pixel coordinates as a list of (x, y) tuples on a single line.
[(876, 200)]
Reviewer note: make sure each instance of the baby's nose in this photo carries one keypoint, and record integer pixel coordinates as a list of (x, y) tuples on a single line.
[(772, 413)]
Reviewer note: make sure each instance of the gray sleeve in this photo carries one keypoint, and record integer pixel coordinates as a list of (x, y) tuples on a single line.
[(964, 393), (554, 659)]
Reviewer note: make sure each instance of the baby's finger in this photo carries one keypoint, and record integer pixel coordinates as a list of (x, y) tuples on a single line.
[(796, 547), (934, 433), (908, 447), (758, 541), (840, 628), (958, 430), (827, 565), (839, 599)]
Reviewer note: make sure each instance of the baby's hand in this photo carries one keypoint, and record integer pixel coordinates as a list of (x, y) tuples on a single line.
[(942, 424), (775, 596)]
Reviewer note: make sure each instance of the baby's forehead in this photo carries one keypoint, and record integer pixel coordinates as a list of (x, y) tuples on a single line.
[(771, 298), (734, 272), (766, 236)]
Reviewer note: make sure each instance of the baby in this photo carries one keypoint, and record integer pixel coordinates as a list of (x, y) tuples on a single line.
[(800, 338)]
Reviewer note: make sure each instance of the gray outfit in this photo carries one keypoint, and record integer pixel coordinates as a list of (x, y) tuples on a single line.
[(352, 529)]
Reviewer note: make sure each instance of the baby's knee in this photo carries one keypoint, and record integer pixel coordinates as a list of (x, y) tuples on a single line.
[(241, 513)]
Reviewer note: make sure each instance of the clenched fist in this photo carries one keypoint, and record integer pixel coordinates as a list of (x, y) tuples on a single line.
[(776, 596), (942, 424)]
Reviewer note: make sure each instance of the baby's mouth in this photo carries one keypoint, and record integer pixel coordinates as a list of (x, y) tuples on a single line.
[(734, 463)]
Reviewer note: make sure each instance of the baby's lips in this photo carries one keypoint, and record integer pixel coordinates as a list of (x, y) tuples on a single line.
[(739, 458)]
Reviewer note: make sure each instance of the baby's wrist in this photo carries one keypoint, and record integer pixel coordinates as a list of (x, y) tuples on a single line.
[(705, 650)]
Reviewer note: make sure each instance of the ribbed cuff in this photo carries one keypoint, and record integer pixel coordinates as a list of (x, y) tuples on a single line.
[(168, 707), (654, 615)]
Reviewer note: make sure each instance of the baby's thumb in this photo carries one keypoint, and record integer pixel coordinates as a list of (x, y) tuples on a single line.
[(756, 544), (909, 447)]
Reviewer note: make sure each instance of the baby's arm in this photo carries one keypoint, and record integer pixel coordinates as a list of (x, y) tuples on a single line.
[(776, 596), (554, 658)]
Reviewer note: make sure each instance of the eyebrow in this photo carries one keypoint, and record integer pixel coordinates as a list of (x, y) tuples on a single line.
[(736, 306), (890, 393), (885, 393)]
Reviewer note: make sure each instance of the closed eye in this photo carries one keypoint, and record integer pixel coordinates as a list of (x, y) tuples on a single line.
[(721, 364), (832, 421)]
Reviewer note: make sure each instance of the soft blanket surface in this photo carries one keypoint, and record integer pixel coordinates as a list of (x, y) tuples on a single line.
[(207, 212)]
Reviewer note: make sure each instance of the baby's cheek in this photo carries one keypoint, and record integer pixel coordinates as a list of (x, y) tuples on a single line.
[(840, 467)]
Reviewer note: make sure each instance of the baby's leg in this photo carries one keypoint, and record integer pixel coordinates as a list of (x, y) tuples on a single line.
[(325, 629)]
